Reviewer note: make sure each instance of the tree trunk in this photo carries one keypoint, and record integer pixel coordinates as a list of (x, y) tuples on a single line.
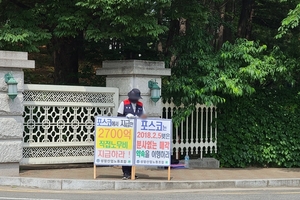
[(173, 30), (245, 21), (65, 57), (230, 7), (226, 15), (159, 43), (182, 26), (220, 34)]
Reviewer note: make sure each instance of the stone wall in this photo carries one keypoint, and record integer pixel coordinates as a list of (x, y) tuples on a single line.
[(11, 111)]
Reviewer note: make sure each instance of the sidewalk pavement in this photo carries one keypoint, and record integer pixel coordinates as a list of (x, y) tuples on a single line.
[(80, 177)]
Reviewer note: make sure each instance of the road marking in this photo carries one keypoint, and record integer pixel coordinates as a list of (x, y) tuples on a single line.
[(13, 198), (228, 191), (288, 192)]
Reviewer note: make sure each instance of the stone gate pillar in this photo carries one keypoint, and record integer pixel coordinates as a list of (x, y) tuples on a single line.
[(11, 111), (128, 74)]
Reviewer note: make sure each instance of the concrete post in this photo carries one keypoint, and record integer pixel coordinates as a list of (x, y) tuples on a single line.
[(11, 119), (128, 74)]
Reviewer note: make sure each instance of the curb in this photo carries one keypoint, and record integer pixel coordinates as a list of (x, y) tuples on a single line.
[(73, 184)]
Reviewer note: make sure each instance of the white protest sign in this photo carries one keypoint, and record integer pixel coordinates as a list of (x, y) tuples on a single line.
[(153, 142), (114, 138)]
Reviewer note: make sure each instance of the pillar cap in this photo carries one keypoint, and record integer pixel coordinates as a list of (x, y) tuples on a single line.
[(15, 59), (133, 67)]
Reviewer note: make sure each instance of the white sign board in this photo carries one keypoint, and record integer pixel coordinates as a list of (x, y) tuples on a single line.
[(114, 141), (153, 142)]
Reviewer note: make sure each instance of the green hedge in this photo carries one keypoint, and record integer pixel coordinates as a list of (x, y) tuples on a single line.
[(260, 130)]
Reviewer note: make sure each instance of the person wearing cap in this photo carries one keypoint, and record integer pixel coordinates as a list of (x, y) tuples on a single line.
[(131, 108)]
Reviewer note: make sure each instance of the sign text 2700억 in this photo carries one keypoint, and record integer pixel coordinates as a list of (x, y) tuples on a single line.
[(114, 141)]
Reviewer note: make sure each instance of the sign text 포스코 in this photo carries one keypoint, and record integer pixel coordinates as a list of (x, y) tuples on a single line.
[(153, 142)]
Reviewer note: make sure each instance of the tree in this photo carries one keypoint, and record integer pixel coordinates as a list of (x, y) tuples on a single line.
[(206, 65), (213, 47), (27, 25), (66, 27), (20, 29)]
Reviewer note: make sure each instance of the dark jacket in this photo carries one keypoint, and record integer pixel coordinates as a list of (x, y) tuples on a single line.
[(129, 110)]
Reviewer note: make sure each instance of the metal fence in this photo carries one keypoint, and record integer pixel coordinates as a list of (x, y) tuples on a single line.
[(197, 134), (59, 121)]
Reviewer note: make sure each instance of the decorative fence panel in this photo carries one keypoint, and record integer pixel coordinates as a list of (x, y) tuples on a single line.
[(197, 134), (59, 122)]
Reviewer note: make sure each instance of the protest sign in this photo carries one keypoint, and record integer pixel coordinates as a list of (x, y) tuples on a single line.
[(130, 142), (114, 141), (153, 142)]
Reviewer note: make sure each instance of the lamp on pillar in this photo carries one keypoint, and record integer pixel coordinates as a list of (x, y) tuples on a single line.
[(154, 90), (12, 86)]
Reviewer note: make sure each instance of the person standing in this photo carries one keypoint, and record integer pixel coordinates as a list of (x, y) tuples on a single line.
[(131, 108)]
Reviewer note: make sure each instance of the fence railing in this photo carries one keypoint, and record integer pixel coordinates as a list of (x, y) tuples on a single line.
[(59, 121), (59, 124), (197, 134)]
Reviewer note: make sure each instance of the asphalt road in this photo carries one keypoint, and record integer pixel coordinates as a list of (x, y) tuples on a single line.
[(9, 193)]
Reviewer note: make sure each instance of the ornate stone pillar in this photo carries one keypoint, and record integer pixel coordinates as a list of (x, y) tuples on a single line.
[(11, 111), (128, 74)]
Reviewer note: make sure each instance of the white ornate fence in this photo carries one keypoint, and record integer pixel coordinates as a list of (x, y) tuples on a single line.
[(59, 122), (197, 134)]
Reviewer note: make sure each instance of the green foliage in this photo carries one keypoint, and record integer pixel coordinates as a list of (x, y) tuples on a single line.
[(205, 76), (19, 28), (120, 19), (260, 130), (290, 22), (63, 18)]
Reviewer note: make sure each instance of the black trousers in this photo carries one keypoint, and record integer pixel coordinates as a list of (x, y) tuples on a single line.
[(126, 170)]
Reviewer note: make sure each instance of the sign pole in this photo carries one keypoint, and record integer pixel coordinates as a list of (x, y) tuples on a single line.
[(95, 171), (133, 173), (169, 173)]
